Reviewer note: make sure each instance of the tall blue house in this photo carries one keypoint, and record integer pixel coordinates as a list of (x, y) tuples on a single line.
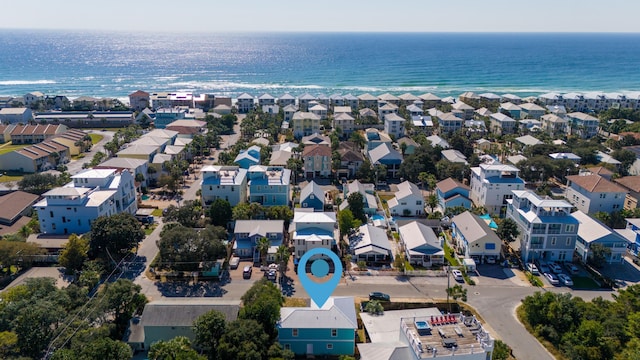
[(269, 185), (246, 234), (249, 157), (329, 330), (312, 197)]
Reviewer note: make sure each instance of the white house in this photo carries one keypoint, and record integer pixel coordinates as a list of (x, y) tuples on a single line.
[(245, 103), (92, 193), (593, 193), (422, 246), (394, 125), (491, 186), (13, 115), (592, 231), (408, 201), (370, 244), (474, 238), (310, 230)]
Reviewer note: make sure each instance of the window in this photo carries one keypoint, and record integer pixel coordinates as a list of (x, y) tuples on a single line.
[(568, 241), (51, 213), (329, 346), (553, 240), (294, 332), (334, 332), (569, 228), (287, 346)]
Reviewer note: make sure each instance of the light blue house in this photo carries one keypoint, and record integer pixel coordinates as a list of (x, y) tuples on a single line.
[(224, 182), (452, 193), (632, 234), (269, 185), (312, 196), (249, 157), (246, 234), (592, 231), (329, 330), (385, 154)]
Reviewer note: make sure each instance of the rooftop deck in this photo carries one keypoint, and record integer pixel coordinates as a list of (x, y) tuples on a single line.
[(445, 335)]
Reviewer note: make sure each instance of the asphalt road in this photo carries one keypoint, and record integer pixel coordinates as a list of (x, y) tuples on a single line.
[(75, 166)]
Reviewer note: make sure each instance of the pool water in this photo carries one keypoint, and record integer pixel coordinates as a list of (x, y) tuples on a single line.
[(145, 197), (377, 217), (492, 224)]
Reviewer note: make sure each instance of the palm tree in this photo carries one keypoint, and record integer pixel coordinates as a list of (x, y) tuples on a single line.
[(282, 257), (432, 201), (262, 246)]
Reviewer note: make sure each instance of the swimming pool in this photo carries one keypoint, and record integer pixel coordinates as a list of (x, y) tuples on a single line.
[(145, 197), (377, 217), (492, 224)]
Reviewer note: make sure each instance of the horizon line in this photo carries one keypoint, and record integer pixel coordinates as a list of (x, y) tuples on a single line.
[(222, 32)]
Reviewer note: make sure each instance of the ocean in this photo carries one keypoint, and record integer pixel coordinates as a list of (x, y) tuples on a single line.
[(115, 64)]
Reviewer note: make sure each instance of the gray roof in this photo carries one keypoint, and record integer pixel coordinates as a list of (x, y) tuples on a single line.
[(384, 151), (258, 227), (590, 229), (125, 163), (472, 227), (528, 140), (337, 313), (420, 239), (312, 188), (185, 312), (436, 140), (454, 156), (370, 239)]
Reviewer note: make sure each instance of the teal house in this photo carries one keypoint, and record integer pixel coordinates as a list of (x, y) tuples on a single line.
[(248, 158), (313, 331)]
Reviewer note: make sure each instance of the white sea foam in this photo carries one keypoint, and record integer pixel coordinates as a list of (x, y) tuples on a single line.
[(26, 82)]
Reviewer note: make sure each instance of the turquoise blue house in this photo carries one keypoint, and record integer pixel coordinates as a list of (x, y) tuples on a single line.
[(248, 158), (312, 197), (329, 330), (269, 185), (452, 193), (165, 116)]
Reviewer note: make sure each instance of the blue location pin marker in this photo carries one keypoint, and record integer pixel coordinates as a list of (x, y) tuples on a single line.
[(319, 292)]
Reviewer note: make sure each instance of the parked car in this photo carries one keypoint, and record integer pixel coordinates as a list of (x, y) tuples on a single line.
[(491, 260), (457, 274), (555, 268), (376, 295), (246, 272), (571, 268), (532, 268), (234, 262), (565, 279), (271, 275), (553, 279)]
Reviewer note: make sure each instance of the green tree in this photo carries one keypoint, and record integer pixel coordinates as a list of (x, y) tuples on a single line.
[(244, 339), (626, 157), (508, 230), (220, 212), (38, 183), (282, 257), (209, 328), (427, 179), (122, 299), (346, 222), (74, 254), (432, 201), (457, 292), (501, 351), (356, 205), (178, 348), (101, 348), (358, 139), (374, 307), (188, 214), (262, 303), (184, 249), (598, 254), (241, 211), (113, 237), (8, 343)]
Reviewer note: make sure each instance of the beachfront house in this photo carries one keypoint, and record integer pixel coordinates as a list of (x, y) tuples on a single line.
[(139, 100), (266, 99), (312, 197), (247, 233), (421, 245), (269, 185), (15, 115), (312, 229), (407, 201), (224, 182), (319, 331), (451, 193), (371, 245), (474, 239), (547, 230), (286, 99), (593, 193), (592, 231), (245, 103), (491, 186)]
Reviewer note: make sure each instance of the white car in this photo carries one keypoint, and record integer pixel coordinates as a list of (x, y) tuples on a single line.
[(457, 274), (532, 269), (553, 279), (555, 268), (565, 279)]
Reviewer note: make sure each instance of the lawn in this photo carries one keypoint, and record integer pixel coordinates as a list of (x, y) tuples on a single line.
[(95, 138), (157, 212), (8, 147), (584, 283), (9, 176), (384, 199)]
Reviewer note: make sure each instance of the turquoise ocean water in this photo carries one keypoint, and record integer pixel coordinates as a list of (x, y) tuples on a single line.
[(115, 64)]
